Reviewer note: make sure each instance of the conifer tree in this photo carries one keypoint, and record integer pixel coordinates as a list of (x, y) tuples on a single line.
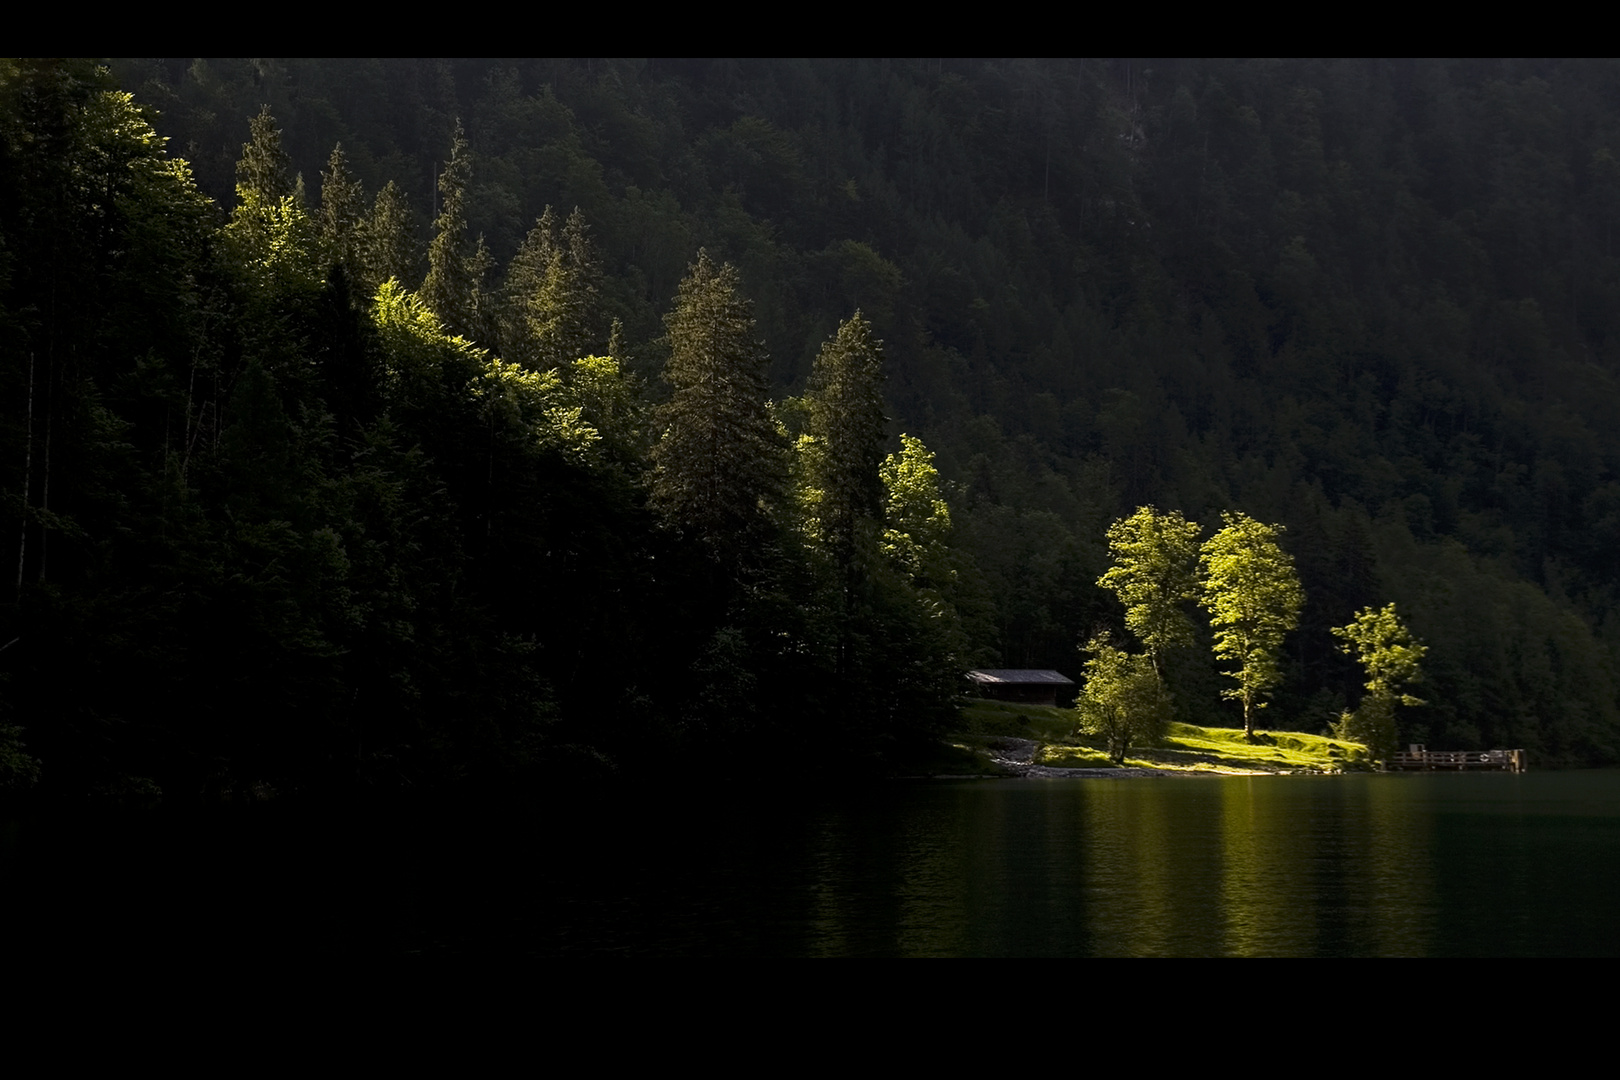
[(484, 322), (525, 276), (846, 416), (270, 231), (387, 242), (451, 285), (568, 299), (717, 467), (343, 211), (263, 168), (549, 307)]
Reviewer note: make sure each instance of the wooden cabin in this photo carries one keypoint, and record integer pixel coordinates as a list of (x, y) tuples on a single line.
[(1024, 686)]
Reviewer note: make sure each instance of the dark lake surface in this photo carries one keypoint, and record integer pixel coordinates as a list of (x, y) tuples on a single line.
[(1375, 865)]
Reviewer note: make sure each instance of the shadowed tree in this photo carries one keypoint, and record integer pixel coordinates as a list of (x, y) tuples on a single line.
[(263, 169), (718, 466), (343, 210), (550, 300), (846, 422), (568, 325), (387, 242), (525, 277), (453, 280)]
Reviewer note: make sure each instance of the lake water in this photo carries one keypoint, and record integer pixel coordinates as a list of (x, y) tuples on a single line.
[(1375, 865)]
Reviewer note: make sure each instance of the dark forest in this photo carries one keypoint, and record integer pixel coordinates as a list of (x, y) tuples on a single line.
[(405, 423)]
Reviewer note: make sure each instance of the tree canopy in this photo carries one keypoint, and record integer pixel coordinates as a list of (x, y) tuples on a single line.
[(1392, 660), (846, 426), (217, 447), (1253, 597), (1154, 575), (717, 467), (1123, 700)]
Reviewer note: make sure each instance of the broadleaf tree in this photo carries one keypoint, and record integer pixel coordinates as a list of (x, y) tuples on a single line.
[(1392, 659), (917, 519), (1124, 701), (1254, 597), (1155, 574)]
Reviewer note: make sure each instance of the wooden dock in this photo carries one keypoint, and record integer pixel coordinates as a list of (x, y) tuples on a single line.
[(1420, 758)]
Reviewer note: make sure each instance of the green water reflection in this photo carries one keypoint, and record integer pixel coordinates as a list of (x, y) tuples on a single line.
[(1241, 866), (1427, 865)]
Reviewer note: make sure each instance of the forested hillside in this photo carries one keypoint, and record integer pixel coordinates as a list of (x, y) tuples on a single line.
[(376, 461)]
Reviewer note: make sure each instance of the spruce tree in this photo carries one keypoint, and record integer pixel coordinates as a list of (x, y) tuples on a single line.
[(270, 233), (483, 323), (263, 170), (549, 306), (343, 210), (387, 242), (525, 277), (569, 297), (451, 285), (847, 419), (718, 466)]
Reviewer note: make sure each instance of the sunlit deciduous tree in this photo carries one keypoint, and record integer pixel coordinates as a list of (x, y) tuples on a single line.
[(1392, 659), (916, 519), (1123, 700), (1253, 597), (1155, 574), (270, 232)]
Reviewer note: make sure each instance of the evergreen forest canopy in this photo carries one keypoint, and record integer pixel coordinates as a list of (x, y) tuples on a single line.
[(390, 421)]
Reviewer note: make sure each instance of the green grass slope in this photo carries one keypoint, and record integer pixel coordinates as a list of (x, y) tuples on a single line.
[(1185, 748)]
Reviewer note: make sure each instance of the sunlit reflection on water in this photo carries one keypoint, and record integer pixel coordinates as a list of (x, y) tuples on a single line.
[(1416, 865)]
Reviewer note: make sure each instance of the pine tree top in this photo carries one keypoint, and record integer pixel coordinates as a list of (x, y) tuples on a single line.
[(263, 170)]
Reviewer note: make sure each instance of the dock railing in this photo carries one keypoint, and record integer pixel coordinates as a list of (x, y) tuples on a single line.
[(1419, 757)]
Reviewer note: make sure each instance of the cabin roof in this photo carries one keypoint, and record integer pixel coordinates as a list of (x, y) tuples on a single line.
[(1023, 676)]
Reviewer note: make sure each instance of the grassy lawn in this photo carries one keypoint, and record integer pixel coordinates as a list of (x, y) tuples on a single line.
[(1186, 747)]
